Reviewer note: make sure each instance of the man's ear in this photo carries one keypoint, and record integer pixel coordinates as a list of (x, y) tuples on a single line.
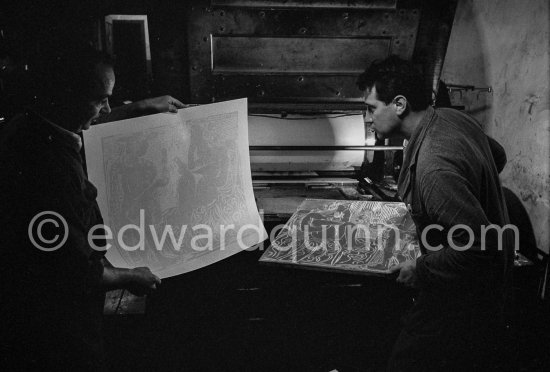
[(401, 105)]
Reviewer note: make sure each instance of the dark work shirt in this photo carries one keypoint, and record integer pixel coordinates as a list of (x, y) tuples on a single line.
[(449, 178), (52, 301)]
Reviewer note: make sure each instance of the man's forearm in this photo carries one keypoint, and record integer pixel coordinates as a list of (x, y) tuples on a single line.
[(146, 106), (139, 280), (448, 268), (116, 278)]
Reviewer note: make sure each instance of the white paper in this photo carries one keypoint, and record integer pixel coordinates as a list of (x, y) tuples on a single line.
[(187, 174), (296, 130)]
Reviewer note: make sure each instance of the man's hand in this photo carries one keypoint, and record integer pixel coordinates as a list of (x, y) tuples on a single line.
[(139, 281), (162, 104), (142, 281), (146, 106), (407, 273)]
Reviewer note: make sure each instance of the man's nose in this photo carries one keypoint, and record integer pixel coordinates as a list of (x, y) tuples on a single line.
[(367, 118), (368, 121), (106, 109)]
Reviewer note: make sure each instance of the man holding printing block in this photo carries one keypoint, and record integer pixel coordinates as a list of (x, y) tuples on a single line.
[(450, 183)]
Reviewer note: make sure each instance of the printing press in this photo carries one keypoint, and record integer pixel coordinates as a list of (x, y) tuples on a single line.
[(298, 66), (297, 63)]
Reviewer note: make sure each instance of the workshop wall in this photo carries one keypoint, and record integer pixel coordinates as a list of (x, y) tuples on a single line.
[(505, 44)]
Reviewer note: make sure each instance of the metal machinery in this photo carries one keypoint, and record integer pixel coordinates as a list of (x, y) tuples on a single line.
[(303, 58)]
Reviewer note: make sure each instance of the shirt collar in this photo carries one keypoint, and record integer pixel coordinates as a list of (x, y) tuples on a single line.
[(410, 153), (67, 137), (416, 138)]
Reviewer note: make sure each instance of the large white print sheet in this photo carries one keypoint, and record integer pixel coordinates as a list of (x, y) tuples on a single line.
[(175, 190)]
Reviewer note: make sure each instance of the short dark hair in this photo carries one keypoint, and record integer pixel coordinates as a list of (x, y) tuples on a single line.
[(396, 76), (69, 72)]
